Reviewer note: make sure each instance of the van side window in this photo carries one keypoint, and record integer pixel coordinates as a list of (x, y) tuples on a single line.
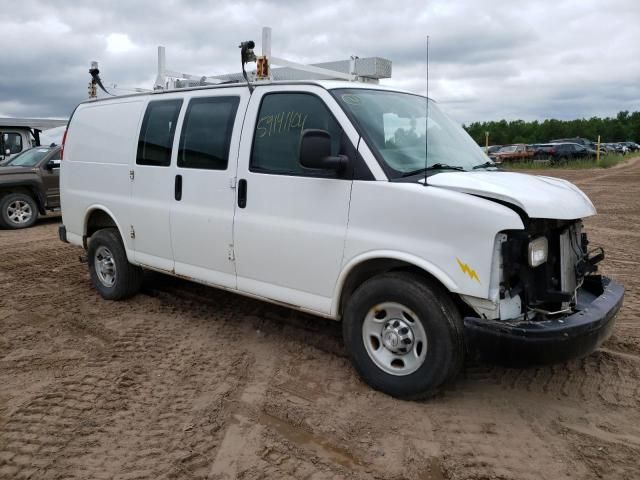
[(156, 134), (281, 120), (206, 133)]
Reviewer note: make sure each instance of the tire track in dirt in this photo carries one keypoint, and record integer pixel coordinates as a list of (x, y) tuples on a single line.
[(53, 419), (603, 377), (477, 445), (167, 417)]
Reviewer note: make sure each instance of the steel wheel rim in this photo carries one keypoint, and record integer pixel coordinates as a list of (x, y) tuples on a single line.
[(19, 212), (394, 338), (105, 266)]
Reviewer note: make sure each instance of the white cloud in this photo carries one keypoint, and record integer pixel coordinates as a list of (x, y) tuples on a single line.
[(118, 43)]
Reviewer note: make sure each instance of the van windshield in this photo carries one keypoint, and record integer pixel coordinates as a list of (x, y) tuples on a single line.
[(394, 124)]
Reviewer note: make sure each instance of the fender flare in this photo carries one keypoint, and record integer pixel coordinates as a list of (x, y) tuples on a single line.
[(98, 206), (413, 260)]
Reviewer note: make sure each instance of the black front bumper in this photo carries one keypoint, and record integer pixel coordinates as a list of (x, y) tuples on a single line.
[(550, 340)]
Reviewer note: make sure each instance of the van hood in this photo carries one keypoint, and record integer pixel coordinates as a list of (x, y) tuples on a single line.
[(538, 196)]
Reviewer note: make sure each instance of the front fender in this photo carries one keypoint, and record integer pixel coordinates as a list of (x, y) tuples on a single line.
[(404, 257), (450, 234)]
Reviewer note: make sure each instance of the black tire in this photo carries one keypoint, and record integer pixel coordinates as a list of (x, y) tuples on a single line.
[(8, 218), (127, 278), (439, 318)]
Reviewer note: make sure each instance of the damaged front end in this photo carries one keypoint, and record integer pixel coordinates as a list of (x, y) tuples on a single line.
[(550, 303), (547, 284)]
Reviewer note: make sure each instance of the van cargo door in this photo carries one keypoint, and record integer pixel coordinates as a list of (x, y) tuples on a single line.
[(203, 193), (153, 185)]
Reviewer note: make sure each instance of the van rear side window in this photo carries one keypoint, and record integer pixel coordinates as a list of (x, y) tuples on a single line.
[(157, 132), (206, 133)]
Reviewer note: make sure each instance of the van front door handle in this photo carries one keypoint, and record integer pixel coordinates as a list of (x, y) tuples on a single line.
[(242, 193), (177, 192)]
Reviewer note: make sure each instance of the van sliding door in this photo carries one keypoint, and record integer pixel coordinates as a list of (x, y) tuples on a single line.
[(203, 195)]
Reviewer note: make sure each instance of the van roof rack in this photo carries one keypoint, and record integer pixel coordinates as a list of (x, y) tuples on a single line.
[(369, 70)]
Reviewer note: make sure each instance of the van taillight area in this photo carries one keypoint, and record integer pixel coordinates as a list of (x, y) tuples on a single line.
[(64, 139)]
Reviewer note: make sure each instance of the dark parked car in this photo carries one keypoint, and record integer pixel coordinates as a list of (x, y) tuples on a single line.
[(580, 141), (620, 147), (572, 151), (29, 185), (542, 151), (562, 152), (632, 146)]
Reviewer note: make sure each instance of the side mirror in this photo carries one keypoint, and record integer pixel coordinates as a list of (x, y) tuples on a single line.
[(51, 164), (315, 151)]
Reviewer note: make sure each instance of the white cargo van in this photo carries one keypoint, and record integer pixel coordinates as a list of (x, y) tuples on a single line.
[(315, 195)]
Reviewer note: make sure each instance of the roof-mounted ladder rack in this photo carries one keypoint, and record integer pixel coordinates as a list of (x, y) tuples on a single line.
[(370, 69)]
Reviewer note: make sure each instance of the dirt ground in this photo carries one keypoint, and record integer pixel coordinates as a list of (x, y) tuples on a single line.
[(185, 381)]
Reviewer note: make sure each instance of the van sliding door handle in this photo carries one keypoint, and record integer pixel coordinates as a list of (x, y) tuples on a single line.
[(242, 193), (177, 192)]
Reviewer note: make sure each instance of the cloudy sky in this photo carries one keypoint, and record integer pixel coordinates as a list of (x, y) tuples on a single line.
[(489, 59)]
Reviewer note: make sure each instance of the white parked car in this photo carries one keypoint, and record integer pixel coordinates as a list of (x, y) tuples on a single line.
[(315, 195)]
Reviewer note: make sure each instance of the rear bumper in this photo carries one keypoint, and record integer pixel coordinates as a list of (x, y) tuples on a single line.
[(554, 340)]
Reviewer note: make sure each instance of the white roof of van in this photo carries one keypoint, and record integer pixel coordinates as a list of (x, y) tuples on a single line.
[(326, 84), (333, 84)]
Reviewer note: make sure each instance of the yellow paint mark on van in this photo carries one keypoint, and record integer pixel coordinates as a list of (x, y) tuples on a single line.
[(468, 270)]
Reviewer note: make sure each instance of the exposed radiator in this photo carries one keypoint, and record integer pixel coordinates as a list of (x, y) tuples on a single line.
[(570, 252)]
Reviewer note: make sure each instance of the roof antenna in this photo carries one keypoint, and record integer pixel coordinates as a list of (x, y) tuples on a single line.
[(246, 56), (426, 122)]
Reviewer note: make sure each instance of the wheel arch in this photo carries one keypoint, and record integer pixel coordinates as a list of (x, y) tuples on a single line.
[(97, 218), (371, 264)]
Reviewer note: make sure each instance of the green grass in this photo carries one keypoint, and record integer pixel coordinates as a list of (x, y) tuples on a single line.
[(606, 161)]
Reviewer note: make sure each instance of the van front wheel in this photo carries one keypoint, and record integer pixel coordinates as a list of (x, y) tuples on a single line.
[(404, 335), (111, 273)]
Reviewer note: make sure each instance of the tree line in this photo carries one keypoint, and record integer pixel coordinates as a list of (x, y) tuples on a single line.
[(624, 126)]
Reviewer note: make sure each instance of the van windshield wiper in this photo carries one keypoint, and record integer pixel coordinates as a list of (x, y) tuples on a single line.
[(435, 166), (486, 164)]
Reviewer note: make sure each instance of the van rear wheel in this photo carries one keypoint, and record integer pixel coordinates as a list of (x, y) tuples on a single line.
[(111, 273), (404, 335)]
